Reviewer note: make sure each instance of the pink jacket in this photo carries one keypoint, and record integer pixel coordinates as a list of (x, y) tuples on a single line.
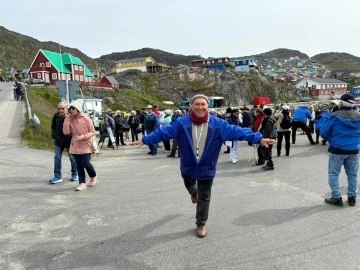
[(82, 126)]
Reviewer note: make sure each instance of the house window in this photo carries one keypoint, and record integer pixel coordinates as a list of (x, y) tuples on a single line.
[(76, 77), (76, 67), (54, 76), (63, 76), (81, 78), (68, 77), (313, 86), (48, 64), (39, 75), (42, 65), (81, 68)]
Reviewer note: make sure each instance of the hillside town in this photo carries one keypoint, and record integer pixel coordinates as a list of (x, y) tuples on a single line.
[(313, 81)]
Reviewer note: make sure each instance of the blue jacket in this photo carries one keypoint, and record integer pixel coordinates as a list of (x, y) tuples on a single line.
[(342, 130), (219, 131), (301, 114), (319, 122)]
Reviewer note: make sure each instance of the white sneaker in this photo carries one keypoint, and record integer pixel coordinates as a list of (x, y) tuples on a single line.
[(234, 161)]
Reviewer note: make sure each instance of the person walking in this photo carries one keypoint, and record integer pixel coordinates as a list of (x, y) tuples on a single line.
[(200, 136), (109, 122), (342, 130), (81, 127), (299, 120), (283, 130), (61, 142)]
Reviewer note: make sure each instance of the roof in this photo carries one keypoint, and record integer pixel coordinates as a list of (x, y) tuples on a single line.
[(60, 61), (112, 80), (319, 80)]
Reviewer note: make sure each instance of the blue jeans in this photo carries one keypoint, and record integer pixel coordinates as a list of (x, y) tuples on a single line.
[(83, 163), (152, 147), (57, 161), (350, 163)]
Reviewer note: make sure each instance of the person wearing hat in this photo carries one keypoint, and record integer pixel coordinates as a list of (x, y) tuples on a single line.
[(81, 127), (342, 130), (151, 124), (283, 129), (233, 119), (268, 130), (200, 136)]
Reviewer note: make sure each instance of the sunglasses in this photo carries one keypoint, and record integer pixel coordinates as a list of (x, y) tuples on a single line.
[(61, 108), (72, 108)]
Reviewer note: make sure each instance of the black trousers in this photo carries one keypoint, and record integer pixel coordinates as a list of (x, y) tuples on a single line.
[(174, 148), (295, 125), (203, 190), (117, 136), (317, 131), (281, 135)]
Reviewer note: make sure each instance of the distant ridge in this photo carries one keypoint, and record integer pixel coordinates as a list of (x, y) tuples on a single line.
[(18, 51), (160, 56)]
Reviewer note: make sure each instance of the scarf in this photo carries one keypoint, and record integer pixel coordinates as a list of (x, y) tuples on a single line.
[(198, 121)]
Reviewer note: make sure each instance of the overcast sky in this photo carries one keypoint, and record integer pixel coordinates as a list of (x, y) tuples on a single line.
[(190, 27)]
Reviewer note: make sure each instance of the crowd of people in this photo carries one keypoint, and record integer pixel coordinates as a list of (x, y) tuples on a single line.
[(198, 133)]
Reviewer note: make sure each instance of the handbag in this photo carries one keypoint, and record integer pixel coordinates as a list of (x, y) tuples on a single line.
[(94, 146)]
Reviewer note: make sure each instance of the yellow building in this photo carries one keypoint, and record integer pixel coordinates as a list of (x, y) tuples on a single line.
[(136, 63)]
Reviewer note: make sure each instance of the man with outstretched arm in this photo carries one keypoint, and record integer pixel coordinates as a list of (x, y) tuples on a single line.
[(200, 136)]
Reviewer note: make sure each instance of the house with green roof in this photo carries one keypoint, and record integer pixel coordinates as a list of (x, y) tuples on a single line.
[(51, 67)]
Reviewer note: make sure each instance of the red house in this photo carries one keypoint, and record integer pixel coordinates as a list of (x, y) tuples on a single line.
[(51, 66), (212, 62), (109, 81)]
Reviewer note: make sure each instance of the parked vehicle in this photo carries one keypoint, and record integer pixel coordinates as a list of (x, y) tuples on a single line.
[(37, 82), (304, 99)]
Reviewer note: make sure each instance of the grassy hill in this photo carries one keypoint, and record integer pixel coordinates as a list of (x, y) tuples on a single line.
[(335, 60), (160, 56), (18, 51), (280, 53)]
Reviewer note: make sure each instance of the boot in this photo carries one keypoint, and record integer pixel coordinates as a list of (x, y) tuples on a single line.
[(278, 153), (268, 167)]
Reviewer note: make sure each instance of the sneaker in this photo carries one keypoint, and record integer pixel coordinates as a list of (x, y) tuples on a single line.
[(334, 201), (55, 180), (74, 178), (81, 187), (267, 167), (153, 153), (92, 182), (234, 161), (351, 200)]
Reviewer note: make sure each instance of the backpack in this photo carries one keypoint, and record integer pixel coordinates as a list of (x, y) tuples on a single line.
[(285, 122)]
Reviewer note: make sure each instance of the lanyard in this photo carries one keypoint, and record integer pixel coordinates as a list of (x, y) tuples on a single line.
[(198, 140)]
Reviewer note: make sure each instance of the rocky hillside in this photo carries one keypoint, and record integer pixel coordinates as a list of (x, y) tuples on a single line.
[(179, 83)]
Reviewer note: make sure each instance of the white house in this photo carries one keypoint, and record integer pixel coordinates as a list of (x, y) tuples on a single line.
[(322, 89), (244, 65)]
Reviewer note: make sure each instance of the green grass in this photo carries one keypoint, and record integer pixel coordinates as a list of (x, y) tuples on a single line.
[(43, 102)]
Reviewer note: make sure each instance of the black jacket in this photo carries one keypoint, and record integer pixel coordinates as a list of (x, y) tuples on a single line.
[(268, 128), (57, 131)]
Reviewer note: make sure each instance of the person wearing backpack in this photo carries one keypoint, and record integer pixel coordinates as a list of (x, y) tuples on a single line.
[(283, 129)]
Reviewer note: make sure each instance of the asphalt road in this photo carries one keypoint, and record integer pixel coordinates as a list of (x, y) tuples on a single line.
[(140, 216)]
